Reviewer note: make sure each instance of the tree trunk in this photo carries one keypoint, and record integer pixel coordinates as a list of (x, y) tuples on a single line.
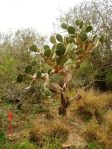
[(64, 104)]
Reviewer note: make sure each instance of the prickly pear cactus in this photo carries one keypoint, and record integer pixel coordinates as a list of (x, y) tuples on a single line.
[(58, 60)]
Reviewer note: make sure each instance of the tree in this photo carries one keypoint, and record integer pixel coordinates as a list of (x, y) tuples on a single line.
[(99, 14), (14, 54)]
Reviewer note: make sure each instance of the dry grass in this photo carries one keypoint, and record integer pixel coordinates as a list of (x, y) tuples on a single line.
[(91, 129), (108, 119), (50, 131), (93, 103), (98, 106), (53, 128), (99, 133)]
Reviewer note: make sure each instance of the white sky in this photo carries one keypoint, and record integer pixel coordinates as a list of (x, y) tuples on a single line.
[(39, 14)]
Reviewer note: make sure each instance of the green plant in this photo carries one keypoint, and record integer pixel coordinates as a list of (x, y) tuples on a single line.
[(3, 129), (66, 54), (52, 143), (108, 77), (93, 145), (26, 145)]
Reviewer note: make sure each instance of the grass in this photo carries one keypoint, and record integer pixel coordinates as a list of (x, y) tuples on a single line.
[(93, 145), (40, 127), (52, 143), (100, 133), (2, 140), (95, 109), (52, 129), (22, 124), (92, 103), (25, 144)]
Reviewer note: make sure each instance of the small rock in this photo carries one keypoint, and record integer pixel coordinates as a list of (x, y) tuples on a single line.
[(65, 146)]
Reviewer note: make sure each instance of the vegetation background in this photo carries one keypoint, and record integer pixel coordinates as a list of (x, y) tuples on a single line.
[(37, 124)]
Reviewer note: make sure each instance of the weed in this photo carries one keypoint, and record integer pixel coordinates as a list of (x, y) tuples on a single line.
[(93, 145)]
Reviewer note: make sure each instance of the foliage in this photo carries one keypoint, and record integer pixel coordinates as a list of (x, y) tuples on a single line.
[(8, 66), (84, 75), (101, 58), (109, 77), (14, 57), (75, 56)]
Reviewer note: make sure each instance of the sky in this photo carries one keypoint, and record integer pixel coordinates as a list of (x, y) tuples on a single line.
[(38, 14)]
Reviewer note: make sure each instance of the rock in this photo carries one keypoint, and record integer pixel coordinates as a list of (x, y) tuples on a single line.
[(67, 146)]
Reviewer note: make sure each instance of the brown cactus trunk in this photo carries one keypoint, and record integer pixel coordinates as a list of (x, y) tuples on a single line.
[(64, 104)]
